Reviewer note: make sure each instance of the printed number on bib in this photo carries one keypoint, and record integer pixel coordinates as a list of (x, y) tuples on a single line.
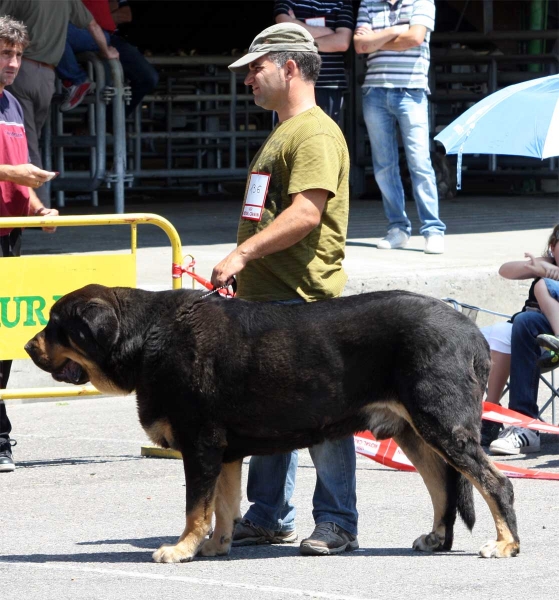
[(256, 196)]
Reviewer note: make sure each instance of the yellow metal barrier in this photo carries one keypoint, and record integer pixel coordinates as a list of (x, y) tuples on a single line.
[(33, 283)]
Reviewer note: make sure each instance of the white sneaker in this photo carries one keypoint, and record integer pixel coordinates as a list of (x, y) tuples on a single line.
[(434, 244), (395, 238), (516, 440)]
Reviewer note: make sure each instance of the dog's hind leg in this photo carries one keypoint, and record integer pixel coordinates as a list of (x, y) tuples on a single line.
[(497, 491), (460, 448), (227, 510), (202, 467), (441, 482)]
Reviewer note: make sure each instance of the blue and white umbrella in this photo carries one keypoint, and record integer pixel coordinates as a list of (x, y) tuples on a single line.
[(519, 120)]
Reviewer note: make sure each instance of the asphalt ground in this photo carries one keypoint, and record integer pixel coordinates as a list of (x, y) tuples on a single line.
[(83, 511)]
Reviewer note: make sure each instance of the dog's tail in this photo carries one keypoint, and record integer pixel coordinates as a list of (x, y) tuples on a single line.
[(465, 501), (460, 498)]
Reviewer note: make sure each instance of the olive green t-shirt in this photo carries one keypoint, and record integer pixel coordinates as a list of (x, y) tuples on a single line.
[(47, 24), (305, 152)]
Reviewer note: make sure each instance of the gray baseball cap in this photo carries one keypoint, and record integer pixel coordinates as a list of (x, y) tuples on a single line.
[(283, 37)]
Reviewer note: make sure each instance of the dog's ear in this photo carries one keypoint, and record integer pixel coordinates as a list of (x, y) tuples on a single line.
[(100, 318)]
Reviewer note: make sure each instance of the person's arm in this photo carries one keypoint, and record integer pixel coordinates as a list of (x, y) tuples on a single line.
[(25, 174), (290, 227), (120, 14), (97, 34), (528, 269), (327, 39), (413, 36), (366, 40), (36, 209)]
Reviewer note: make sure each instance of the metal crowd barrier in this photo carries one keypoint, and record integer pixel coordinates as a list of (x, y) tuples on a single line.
[(201, 126), (33, 283), (97, 146)]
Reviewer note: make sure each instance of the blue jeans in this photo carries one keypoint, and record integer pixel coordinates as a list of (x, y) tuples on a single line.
[(271, 482), (524, 370), (77, 40), (331, 101), (137, 70), (383, 108)]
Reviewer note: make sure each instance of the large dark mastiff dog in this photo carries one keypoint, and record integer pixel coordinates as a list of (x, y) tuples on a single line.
[(223, 379)]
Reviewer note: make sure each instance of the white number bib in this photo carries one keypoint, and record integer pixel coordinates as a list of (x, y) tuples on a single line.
[(256, 196), (316, 21)]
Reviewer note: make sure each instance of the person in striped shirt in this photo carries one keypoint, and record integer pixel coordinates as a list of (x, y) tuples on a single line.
[(395, 36), (331, 23)]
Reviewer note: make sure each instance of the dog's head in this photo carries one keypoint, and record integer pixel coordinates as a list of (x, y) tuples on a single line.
[(79, 338)]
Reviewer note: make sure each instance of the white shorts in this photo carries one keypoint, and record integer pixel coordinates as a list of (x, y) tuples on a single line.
[(498, 336)]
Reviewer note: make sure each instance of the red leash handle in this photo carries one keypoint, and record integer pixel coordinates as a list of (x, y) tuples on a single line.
[(178, 270)]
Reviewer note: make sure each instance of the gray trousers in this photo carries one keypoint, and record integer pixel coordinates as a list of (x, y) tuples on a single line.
[(34, 88)]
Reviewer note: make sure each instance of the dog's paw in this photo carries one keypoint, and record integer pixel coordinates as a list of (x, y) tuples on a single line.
[(172, 554), (214, 547), (494, 549), (429, 542)]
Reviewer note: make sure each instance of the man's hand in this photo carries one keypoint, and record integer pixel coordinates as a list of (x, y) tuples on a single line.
[(111, 52), (105, 51), (224, 272), (26, 174), (36, 209)]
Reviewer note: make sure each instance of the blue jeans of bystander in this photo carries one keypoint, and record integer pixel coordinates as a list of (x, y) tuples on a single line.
[(383, 108), (524, 370)]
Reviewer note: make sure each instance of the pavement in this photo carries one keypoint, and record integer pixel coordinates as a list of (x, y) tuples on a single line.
[(83, 511)]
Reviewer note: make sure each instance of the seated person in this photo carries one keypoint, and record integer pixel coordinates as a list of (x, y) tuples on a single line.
[(535, 318), (137, 70)]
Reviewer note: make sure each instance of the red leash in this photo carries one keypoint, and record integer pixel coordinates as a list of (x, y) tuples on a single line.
[(178, 270)]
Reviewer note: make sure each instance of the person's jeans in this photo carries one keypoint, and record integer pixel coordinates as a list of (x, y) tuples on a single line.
[(524, 370), (142, 75), (77, 40), (271, 482), (383, 108), (331, 101)]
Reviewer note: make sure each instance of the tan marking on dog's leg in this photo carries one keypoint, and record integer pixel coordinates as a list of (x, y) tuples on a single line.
[(227, 510), (505, 546), (161, 433), (432, 470), (198, 523)]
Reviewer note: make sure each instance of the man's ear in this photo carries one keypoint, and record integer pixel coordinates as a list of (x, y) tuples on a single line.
[(291, 69), (101, 320)]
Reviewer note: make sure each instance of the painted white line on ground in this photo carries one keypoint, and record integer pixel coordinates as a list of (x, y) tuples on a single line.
[(82, 439), (191, 580)]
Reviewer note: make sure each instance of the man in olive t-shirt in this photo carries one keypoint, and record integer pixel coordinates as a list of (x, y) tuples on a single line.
[(291, 242)]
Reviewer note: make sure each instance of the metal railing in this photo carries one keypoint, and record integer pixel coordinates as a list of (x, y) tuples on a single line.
[(63, 149)]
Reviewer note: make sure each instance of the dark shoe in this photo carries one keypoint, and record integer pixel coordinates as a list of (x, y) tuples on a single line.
[(549, 359), (328, 538), (249, 534), (7, 464), (489, 432)]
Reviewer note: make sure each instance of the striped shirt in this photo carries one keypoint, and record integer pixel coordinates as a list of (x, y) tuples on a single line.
[(407, 68), (337, 13)]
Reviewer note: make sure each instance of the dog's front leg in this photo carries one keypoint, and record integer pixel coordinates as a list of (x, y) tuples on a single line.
[(227, 510), (200, 500)]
